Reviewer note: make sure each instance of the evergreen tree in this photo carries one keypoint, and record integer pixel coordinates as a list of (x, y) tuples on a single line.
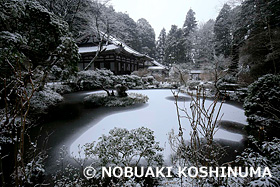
[(125, 28), (160, 47), (258, 36), (146, 37), (222, 30), (80, 15), (188, 39), (32, 33), (238, 33), (190, 23), (175, 48), (67, 10), (204, 45)]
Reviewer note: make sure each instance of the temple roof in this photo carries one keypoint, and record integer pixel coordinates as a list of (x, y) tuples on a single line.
[(114, 45)]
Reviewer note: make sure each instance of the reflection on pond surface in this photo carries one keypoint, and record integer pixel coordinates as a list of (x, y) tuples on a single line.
[(179, 98)]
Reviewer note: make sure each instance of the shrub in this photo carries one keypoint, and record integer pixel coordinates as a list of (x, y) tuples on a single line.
[(97, 79), (262, 107), (193, 84), (60, 88), (101, 99), (120, 148), (90, 79), (264, 155), (131, 81), (127, 148), (43, 100)]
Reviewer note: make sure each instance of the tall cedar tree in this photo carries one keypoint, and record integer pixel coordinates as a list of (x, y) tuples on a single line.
[(190, 23), (161, 45), (204, 46), (222, 30), (175, 48), (189, 27)]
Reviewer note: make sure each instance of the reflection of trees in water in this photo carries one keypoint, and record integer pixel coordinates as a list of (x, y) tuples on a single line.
[(180, 98)]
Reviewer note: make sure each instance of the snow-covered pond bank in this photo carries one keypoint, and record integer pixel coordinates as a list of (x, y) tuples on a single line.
[(159, 114)]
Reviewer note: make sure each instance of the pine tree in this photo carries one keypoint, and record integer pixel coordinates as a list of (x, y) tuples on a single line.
[(222, 30), (161, 45)]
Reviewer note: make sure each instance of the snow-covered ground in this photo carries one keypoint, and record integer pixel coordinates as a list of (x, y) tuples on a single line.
[(160, 116)]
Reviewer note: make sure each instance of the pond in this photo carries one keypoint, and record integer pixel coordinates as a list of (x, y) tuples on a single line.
[(76, 125), (160, 116)]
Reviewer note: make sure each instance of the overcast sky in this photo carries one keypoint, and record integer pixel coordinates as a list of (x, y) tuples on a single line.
[(164, 13)]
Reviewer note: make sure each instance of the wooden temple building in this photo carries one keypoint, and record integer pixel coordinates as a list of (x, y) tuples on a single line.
[(115, 56)]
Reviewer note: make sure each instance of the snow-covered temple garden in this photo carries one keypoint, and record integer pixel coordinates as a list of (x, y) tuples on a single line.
[(89, 97)]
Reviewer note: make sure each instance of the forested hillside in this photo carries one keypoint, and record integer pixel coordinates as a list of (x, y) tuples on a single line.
[(231, 35), (86, 16), (246, 36)]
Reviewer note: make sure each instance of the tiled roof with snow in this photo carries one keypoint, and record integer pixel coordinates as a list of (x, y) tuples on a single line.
[(126, 48), (95, 48), (158, 64), (115, 43)]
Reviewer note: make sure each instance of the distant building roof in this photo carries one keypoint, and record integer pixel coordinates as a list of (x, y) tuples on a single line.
[(196, 71), (156, 68)]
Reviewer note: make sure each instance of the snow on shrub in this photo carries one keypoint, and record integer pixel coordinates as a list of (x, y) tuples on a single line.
[(43, 100), (132, 81), (90, 79), (121, 147), (102, 99), (149, 80), (262, 107), (96, 79), (127, 148), (193, 85), (266, 155), (60, 88)]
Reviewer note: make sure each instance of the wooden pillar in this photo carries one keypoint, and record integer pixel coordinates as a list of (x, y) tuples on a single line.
[(83, 61), (124, 65), (121, 65), (116, 65)]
